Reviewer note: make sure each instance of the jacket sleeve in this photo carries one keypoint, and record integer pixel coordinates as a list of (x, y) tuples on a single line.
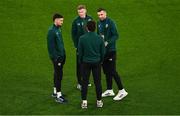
[(98, 28), (90, 18), (60, 47), (113, 32), (74, 34), (51, 44), (102, 50)]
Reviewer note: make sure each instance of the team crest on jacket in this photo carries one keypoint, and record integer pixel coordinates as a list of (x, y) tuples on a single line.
[(78, 24), (107, 25), (57, 33), (89, 19)]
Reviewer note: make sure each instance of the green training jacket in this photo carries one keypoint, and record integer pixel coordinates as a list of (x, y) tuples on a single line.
[(108, 29), (55, 43), (91, 48), (79, 28)]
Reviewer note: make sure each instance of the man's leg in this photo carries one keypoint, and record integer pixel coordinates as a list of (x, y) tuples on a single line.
[(58, 74), (85, 79), (79, 72), (54, 94), (122, 93), (96, 71), (107, 72), (114, 72), (78, 69), (118, 80)]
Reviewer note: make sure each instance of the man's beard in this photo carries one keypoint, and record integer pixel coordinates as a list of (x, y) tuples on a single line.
[(58, 25)]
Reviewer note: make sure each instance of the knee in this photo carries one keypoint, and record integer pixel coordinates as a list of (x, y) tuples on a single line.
[(112, 73)]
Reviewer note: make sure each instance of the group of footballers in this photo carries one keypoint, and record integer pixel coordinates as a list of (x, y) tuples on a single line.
[(93, 51)]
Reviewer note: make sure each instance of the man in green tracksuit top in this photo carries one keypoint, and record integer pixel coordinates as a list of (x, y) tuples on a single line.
[(57, 55), (107, 30), (78, 29), (91, 53)]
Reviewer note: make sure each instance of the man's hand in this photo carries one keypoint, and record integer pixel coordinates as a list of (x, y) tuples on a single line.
[(105, 43), (102, 36), (59, 64), (59, 61)]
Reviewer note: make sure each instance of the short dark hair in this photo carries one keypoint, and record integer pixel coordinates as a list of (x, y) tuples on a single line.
[(81, 7), (101, 9), (91, 26), (56, 15)]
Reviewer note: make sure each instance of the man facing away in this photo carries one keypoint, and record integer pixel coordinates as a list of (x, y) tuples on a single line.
[(91, 53)]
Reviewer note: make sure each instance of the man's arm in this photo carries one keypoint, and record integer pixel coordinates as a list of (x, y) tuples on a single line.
[(102, 50), (51, 44), (113, 32), (90, 19), (74, 34), (60, 47), (98, 28)]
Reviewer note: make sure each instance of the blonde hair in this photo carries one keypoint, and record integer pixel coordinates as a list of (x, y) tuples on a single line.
[(81, 7)]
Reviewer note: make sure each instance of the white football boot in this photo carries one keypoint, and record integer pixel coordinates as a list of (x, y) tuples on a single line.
[(99, 103), (108, 93), (121, 94), (84, 104)]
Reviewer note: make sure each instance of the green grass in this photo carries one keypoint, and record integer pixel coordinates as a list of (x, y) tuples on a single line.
[(148, 57)]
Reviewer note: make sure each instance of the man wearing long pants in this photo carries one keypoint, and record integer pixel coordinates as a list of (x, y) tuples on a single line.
[(107, 29), (78, 29), (91, 52), (57, 55)]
